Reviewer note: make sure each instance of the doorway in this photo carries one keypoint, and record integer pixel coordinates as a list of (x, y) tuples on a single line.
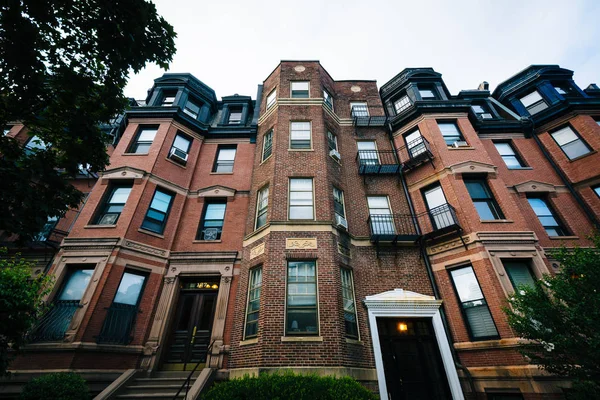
[(411, 359), (191, 330)]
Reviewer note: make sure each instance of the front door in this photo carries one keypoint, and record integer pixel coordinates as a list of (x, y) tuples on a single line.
[(411, 360), (192, 326)]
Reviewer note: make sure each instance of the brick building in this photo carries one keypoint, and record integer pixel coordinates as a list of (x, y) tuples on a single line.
[(329, 226)]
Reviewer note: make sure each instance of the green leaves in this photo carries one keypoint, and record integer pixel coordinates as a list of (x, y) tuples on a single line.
[(20, 304), (561, 317), (64, 67)]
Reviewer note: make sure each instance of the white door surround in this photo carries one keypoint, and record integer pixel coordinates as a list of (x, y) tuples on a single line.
[(404, 303)]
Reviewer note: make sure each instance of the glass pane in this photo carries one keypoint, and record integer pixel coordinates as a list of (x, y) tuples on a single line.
[(301, 184), (370, 145), (466, 284), (478, 109), (142, 148), (186, 313), (299, 85), (426, 93), (301, 212), (161, 201), (435, 197), (182, 143), (36, 143), (215, 211), (147, 135), (300, 126), (539, 206), (129, 289), (300, 135), (378, 202), (77, 282), (302, 321), (477, 189), (575, 149), (449, 129), (226, 154), (120, 195), (531, 98), (504, 149), (511, 162), (564, 136), (519, 273), (191, 106), (300, 198), (481, 322), (484, 210)]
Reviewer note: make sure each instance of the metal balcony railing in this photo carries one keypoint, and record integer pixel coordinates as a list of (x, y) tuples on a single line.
[(438, 221), (361, 117), (373, 162), (118, 324), (54, 324), (415, 153), (392, 228)]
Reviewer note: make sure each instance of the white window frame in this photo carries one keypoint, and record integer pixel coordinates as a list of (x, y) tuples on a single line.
[(271, 99), (259, 209), (264, 142), (292, 89), (310, 136), (327, 96), (312, 199)]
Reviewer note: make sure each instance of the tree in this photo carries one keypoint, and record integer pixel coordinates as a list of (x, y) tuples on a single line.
[(63, 67), (560, 316), (21, 304)]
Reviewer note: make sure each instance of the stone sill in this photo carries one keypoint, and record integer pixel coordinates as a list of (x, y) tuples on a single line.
[(496, 221), (206, 241), (249, 341), (563, 237), (158, 235), (176, 163), (221, 173), (520, 169), (461, 148), (355, 341), (60, 346), (301, 149), (134, 154), (489, 344), (302, 338), (100, 226), (583, 156)]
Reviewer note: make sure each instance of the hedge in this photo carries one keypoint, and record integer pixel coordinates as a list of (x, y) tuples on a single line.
[(56, 386), (286, 386)]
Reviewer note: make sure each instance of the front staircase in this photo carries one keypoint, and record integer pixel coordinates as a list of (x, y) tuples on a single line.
[(161, 385)]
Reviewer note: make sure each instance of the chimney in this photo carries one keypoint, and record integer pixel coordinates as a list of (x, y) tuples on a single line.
[(484, 86)]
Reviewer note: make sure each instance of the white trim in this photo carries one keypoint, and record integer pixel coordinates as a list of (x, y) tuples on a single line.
[(403, 303)]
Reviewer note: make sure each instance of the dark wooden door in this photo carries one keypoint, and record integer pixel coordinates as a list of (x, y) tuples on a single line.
[(191, 329), (411, 360)]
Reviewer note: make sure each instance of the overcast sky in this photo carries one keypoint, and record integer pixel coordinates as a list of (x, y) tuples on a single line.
[(232, 46)]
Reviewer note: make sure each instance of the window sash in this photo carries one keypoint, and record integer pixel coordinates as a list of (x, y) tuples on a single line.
[(482, 198), (570, 142), (359, 109), (450, 132), (262, 206), (415, 143), (235, 116), (533, 102), (143, 141), (546, 217), (427, 93), (130, 289), (225, 159), (267, 145), (519, 273), (509, 155), (301, 201), (192, 109), (332, 141), (182, 143), (367, 152), (158, 212), (349, 304), (111, 211), (473, 304), (402, 104), (301, 304), (300, 135), (271, 98), (328, 100), (338, 202), (213, 218), (253, 306), (299, 90)]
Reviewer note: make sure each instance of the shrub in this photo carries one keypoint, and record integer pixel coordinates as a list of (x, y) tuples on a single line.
[(57, 386), (287, 386)]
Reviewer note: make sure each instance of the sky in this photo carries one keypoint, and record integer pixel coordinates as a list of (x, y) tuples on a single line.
[(232, 46)]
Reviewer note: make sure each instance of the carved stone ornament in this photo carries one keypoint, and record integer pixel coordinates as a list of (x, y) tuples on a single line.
[(301, 243), (169, 280), (257, 251)]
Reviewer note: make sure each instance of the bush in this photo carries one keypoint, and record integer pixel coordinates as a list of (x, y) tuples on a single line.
[(57, 386), (289, 386)]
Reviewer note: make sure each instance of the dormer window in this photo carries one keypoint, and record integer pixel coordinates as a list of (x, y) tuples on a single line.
[(533, 102), (168, 98), (235, 115), (192, 109), (402, 104), (427, 93), (560, 90), (481, 112)]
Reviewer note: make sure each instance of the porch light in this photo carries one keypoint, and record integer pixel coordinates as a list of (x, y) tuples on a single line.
[(402, 327), (215, 286)]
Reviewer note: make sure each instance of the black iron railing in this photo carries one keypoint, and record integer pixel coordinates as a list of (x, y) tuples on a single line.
[(438, 221), (415, 153), (54, 324), (372, 162), (360, 117), (118, 324), (392, 227), (186, 384)]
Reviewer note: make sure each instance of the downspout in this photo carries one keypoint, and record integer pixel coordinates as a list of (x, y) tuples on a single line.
[(563, 177), (434, 286)]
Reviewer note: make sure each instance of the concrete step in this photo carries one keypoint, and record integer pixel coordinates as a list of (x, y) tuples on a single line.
[(154, 396), (157, 381), (157, 389), (175, 374)]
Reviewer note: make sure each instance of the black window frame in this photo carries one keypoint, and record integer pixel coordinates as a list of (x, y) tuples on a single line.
[(135, 143), (431, 88), (105, 204), (518, 157), (461, 138), (462, 308), (224, 163), (163, 224), (526, 262), (267, 144), (339, 207), (288, 332), (537, 103), (485, 110), (351, 330), (234, 110), (166, 93), (188, 111), (490, 200), (332, 139), (560, 227), (200, 235), (574, 131), (251, 289), (260, 211)]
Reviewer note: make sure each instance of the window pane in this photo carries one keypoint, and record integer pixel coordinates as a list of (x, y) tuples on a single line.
[(271, 98), (477, 189), (575, 149), (227, 154), (480, 321), (215, 211), (120, 195), (435, 197), (366, 145), (512, 162), (181, 143), (129, 289), (519, 273), (531, 98), (484, 210), (378, 202), (427, 93), (299, 85), (466, 284), (301, 184), (161, 201), (77, 282), (297, 212), (539, 206), (147, 135), (504, 149)]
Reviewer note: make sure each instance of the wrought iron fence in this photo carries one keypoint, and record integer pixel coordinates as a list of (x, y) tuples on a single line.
[(118, 324), (415, 152), (377, 162), (392, 227), (54, 324)]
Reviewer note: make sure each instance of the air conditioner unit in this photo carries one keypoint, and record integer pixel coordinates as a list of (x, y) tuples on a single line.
[(341, 222), (178, 155), (335, 154), (460, 143)]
